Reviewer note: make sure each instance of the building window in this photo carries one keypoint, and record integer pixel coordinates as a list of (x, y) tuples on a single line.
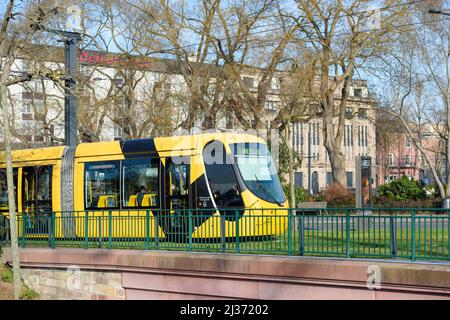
[(359, 136), (408, 160), (390, 160), (248, 82), (362, 113), (298, 179), (349, 179), (84, 70), (366, 137), (348, 113), (271, 105), (27, 107), (348, 136), (329, 178), (357, 92), (408, 142)]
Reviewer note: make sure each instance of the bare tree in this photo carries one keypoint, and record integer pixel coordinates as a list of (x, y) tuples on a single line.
[(427, 45), (340, 39), (18, 24)]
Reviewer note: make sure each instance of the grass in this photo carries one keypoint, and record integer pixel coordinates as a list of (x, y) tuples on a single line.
[(6, 284), (29, 294)]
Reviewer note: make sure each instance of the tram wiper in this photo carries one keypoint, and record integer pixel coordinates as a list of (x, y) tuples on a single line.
[(267, 193)]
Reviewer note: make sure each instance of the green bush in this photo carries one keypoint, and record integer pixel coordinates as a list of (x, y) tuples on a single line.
[(301, 194), (29, 294), (402, 189), (7, 275)]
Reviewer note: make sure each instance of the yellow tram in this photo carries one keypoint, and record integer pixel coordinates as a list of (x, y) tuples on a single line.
[(205, 176)]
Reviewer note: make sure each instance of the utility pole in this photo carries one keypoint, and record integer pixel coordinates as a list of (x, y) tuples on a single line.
[(71, 40), (11, 195), (70, 99)]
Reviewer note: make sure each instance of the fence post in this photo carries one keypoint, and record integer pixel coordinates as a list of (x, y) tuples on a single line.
[(7, 230), (347, 233), (448, 232), (393, 239), (110, 230), (52, 226), (237, 230), (301, 234), (289, 231), (86, 230), (147, 230), (222, 232), (157, 231), (413, 235), (23, 229), (100, 233), (190, 229)]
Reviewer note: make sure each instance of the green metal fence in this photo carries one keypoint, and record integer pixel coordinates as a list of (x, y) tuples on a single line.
[(345, 232)]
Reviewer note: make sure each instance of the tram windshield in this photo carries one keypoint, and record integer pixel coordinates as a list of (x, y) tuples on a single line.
[(258, 171)]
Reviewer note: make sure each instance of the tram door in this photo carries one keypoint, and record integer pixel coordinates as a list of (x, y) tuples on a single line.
[(37, 198), (177, 186)]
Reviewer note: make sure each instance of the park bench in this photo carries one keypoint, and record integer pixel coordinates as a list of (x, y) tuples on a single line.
[(312, 208)]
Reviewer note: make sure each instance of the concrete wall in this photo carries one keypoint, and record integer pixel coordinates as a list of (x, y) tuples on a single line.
[(131, 274)]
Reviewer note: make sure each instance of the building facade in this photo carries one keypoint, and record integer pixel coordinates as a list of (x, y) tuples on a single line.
[(358, 140), (398, 155), (106, 92)]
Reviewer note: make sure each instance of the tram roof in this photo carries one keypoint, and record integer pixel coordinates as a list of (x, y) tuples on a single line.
[(148, 145), (38, 154)]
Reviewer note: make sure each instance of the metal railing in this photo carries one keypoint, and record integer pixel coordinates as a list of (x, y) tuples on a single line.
[(342, 232)]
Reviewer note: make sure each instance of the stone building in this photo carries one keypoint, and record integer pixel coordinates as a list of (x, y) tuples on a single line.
[(104, 87), (397, 154)]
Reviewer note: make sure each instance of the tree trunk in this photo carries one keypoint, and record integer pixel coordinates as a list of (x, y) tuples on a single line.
[(11, 200), (291, 167), (337, 161)]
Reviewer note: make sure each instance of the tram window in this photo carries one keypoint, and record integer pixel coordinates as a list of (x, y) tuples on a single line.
[(102, 185), (178, 179), (37, 189), (177, 183), (4, 189), (140, 183), (221, 177)]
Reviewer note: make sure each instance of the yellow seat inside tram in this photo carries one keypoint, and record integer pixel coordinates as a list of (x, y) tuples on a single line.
[(107, 201), (132, 202), (148, 200)]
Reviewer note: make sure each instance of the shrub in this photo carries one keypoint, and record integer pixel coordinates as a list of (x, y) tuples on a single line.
[(402, 189), (29, 294), (338, 196), (384, 202), (300, 194), (6, 275)]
